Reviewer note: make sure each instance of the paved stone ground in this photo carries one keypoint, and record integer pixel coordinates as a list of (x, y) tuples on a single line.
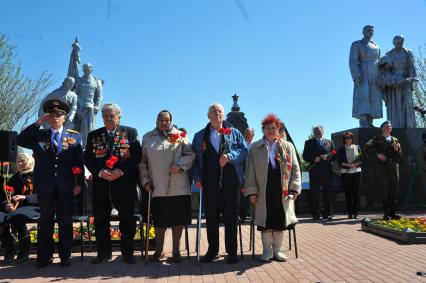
[(336, 251)]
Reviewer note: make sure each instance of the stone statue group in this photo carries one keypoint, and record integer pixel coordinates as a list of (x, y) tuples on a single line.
[(83, 95), (389, 78)]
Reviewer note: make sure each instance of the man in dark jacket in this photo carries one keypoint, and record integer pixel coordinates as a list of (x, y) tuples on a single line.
[(218, 170), (320, 152), (112, 155), (57, 151)]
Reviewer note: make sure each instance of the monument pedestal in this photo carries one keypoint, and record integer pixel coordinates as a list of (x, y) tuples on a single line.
[(412, 195)]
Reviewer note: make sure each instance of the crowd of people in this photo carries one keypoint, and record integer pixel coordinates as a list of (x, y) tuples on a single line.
[(227, 165)]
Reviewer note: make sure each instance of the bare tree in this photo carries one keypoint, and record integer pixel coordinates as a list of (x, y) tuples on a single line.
[(419, 94), (19, 95)]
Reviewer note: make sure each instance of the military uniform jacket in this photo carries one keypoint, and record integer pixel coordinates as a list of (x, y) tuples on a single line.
[(312, 149), (53, 169), (379, 144), (125, 146)]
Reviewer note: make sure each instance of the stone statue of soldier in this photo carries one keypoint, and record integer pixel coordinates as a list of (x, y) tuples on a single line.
[(364, 66), (89, 94), (65, 94)]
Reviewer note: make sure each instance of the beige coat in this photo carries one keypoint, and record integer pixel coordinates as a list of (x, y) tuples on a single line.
[(158, 155), (257, 175)]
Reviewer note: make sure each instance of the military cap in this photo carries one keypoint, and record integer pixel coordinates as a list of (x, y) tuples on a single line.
[(385, 123), (56, 106)]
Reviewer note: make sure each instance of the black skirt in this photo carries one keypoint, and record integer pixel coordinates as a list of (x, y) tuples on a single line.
[(23, 213), (275, 216), (171, 211)]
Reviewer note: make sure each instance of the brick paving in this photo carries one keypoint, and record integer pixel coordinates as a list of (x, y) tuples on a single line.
[(329, 251)]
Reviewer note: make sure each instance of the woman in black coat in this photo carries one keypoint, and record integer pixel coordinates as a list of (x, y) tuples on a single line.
[(17, 207), (349, 159)]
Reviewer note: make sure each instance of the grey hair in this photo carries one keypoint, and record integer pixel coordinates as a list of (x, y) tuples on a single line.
[(216, 105), (249, 129), (112, 106), (318, 127)]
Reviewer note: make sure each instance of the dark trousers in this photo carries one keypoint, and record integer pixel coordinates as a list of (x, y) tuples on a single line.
[(388, 183), (319, 185), (351, 186), (102, 212), (62, 205), (222, 200)]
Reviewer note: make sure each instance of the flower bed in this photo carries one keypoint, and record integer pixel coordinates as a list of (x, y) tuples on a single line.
[(415, 224), (408, 230), (114, 232)]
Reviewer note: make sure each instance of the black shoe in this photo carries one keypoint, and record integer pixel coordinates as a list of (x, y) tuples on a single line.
[(9, 253), (350, 216), (24, 249), (129, 260), (176, 258), (316, 217), (65, 262), (9, 249), (355, 215), (209, 258), (100, 259), (157, 256), (233, 259), (43, 263), (395, 216)]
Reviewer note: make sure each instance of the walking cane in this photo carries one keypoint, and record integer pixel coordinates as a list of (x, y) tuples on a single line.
[(199, 224), (252, 231), (148, 219)]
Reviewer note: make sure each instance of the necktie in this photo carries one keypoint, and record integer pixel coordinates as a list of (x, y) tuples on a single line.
[(111, 139), (56, 140)]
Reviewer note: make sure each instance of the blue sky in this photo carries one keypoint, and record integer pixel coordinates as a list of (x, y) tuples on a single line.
[(284, 57)]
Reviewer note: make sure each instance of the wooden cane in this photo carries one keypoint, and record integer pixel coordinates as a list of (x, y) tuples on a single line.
[(199, 224), (148, 219)]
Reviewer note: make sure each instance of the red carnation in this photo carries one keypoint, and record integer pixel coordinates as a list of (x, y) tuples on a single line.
[(122, 141), (9, 189), (76, 170), (183, 134), (111, 161), (225, 131), (175, 136), (333, 152)]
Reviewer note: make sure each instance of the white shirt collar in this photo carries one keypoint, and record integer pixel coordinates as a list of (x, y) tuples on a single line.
[(58, 130), (113, 131)]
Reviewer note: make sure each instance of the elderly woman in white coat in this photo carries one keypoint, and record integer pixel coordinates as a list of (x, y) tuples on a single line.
[(166, 159), (272, 183)]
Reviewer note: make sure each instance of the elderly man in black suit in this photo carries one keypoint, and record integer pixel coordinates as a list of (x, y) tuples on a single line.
[(320, 152), (57, 152), (112, 156)]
